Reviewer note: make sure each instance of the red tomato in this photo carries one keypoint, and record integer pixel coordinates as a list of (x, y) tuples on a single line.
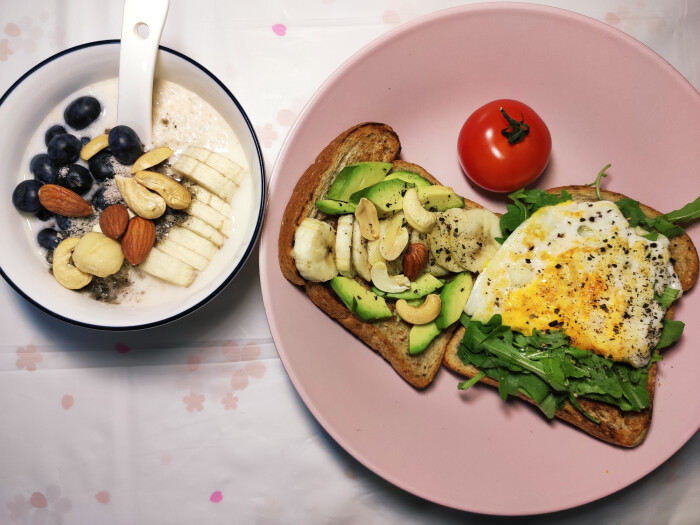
[(490, 159)]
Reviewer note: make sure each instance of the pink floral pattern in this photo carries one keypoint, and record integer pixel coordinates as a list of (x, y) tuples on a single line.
[(229, 401), (267, 135), (194, 401), (28, 357), (44, 507)]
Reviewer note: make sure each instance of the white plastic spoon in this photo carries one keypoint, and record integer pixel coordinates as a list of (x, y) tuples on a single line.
[(141, 30)]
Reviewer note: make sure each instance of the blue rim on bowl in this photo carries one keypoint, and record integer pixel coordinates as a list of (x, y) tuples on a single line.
[(259, 211)]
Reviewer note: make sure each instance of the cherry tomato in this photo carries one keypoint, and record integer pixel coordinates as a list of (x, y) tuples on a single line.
[(504, 145)]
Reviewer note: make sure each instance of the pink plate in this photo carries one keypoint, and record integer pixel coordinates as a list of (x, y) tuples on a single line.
[(607, 99)]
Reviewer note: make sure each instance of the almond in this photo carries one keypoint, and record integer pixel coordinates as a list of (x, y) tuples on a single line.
[(138, 239), (415, 260), (113, 220), (63, 201)]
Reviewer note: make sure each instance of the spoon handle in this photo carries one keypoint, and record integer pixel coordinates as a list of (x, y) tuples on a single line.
[(141, 30)]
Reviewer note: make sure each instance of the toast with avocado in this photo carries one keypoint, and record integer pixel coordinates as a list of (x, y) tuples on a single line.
[(345, 238), (598, 418)]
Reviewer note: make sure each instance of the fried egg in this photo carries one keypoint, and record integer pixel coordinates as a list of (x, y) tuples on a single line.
[(579, 267)]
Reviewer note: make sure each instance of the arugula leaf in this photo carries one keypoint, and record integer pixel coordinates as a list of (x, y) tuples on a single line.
[(687, 213), (525, 203), (662, 224), (546, 368), (671, 333), (667, 297)]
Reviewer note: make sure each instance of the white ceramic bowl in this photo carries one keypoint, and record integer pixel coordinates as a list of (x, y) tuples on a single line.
[(26, 104)]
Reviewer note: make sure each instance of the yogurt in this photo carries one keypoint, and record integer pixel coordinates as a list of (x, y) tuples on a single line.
[(180, 118)]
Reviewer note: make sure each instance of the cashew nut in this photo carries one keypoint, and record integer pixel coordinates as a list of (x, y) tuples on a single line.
[(366, 215), (96, 145), (151, 158), (394, 237), (98, 255), (175, 194), (388, 283), (64, 272), (142, 201), (423, 314), (416, 215)]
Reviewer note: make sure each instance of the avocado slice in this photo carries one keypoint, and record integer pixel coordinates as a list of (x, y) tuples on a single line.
[(386, 195), (453, 297), (425, 284), (334, 207), (410, 177), (439, 198), (420, 336), (365, 304), (355, 177)]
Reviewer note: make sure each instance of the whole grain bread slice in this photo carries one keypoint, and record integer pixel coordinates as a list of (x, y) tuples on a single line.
[(390, 338), (627, 429)]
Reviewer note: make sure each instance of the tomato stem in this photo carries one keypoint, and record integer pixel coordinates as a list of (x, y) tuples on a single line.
[(516, 131)]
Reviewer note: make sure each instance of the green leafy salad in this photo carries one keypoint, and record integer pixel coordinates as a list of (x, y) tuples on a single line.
[(544, 366)]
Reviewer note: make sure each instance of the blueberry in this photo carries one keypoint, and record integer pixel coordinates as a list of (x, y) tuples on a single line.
[(43, 214), (62, 222), (102, 165), (82, 112), (125, 144), (49, 238), (84, 140), (75, 177), (54, 130), (42, 169), (99, 202), (64, 149), (25, 197)]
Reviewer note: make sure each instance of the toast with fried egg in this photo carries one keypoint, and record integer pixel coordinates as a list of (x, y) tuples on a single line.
[(623, 428), (390, 338)]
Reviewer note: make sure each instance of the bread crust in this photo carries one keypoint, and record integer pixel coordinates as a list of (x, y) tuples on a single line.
[(626, 429)]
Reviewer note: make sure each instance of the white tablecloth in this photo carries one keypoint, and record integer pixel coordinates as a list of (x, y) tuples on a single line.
[(197, 421)]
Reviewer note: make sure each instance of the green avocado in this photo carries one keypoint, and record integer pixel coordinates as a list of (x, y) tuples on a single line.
[(425, 284), (410, 177), (386, 195), (355, 177), (439, 198), (420, 336), (365, 304), (333, 207), (453, 297)]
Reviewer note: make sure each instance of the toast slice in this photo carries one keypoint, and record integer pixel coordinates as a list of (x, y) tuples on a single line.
[(626, 429), (390, 338)]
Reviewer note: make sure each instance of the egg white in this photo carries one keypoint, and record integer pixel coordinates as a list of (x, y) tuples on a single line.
[(579, 267)]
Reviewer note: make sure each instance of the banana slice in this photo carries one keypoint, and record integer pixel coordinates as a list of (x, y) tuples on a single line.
[(473, 236), (218, 162), (343, 245), (394, 237), (160, 264), (212, 217), (193, 241), (202, 229), (207, 197), (439, 243), (360, 259), (313, 252), (184, 254), (205, 176)]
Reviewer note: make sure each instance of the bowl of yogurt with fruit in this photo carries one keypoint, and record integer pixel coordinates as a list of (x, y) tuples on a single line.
[(104, 231)]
